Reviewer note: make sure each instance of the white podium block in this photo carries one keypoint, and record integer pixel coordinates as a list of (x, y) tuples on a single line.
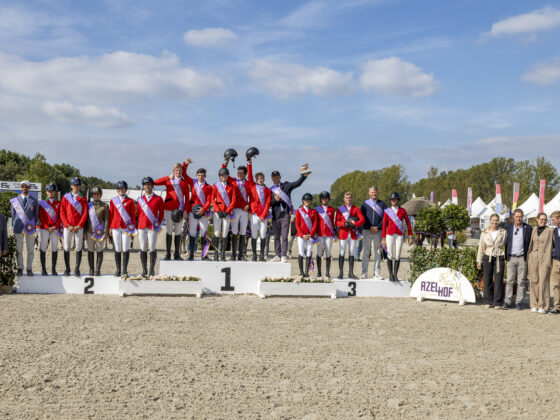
[(372, 288), (267, 288), (157, 287), (226, 277), (89, 285)]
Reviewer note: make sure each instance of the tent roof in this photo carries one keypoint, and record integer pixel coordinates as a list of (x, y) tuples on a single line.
[(414, 205), (448, 202), (552, 205), (478, 207), (531, 206)]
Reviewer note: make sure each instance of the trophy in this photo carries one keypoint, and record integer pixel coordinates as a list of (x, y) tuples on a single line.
[(304, 170)]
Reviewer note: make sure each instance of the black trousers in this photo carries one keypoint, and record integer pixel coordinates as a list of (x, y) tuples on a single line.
[(493, 280)]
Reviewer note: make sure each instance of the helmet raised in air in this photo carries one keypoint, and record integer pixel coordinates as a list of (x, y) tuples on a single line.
[(251, 153), (230, 154)]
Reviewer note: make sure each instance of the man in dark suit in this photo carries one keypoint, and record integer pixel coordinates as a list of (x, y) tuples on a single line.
[(25, 216), (517, 245), (3, 235)]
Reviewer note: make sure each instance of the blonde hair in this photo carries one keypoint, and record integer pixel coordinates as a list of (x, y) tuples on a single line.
[(348, 193), (555, 214), (177, 166)]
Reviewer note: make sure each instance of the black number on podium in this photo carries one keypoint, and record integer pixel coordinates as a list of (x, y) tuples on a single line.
[(228, 287), (352, 286), (88, 289)]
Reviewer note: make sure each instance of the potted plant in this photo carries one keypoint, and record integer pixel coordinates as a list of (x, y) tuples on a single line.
[(297, 286), (8, 267), (160, 285)]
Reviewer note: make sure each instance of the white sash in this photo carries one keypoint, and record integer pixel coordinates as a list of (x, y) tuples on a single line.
[(130, 228), (346, 213), (283, 196), (398, 223), (376, 207), (156, 227), (260, 193), (307, 221), (321, 211), (223, 193), (176, 182), (98, 227), (49, 209), (200, 192), (28, 225), (242, 190), (75, 203)]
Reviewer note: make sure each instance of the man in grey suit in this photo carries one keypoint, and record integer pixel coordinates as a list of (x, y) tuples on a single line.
[(25, 216)]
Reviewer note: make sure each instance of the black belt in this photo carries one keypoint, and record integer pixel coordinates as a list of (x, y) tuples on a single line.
[(518, 256)]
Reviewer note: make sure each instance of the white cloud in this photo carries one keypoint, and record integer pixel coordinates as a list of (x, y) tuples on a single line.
[(544, 73), (209, 37), (88, 114), (527, 23), (288, 79), (395, 76), (116, 77)]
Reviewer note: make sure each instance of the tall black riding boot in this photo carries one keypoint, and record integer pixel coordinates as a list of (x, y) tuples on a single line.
[(390, 267), (307, 264), (263, 250), (192, 243), (168, 241), (66, 263), (396, 272), (242, 248), (144, 262), (90, 263), (328, 266), (78, 263), (153, 261), (216, 243), (126, 255), (351, 268), (254, 246), (54, 257), (223, 249), (43, 256), (319, 274), (300, 264), (234, 240), (118, 255), (341, 267), (98, 263), (177, 255)]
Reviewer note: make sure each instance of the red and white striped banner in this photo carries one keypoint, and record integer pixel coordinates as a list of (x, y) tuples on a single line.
[(541, 195)]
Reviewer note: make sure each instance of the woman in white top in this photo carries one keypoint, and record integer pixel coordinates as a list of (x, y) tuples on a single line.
[(490, 259)]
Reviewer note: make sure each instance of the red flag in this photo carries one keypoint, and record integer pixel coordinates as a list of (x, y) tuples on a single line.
[(541, 195)]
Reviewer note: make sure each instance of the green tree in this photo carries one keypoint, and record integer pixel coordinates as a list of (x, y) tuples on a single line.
[(430, 220), (455, 218), (5, 198)]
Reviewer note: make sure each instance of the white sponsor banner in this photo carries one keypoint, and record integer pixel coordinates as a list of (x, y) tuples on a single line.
[(443, 284)]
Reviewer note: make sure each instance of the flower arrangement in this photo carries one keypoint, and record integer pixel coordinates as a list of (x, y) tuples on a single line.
[(296, 279), (161, 277)]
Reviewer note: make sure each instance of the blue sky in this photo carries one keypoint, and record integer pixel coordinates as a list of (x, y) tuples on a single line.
[(122, 89)]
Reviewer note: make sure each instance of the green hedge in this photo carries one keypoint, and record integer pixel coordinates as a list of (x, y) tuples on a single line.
[(463, 260), (8, 264)]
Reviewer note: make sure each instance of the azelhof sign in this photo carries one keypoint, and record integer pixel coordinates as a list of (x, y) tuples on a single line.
[(443, 284)]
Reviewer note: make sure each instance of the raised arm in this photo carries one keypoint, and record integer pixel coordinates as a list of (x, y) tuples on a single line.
[(250, 178)]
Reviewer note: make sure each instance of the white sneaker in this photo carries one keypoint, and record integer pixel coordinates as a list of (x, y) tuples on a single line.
[(275, 259), (542, 311), (534, 310), (363, 276), (284, 259), (377, 277)]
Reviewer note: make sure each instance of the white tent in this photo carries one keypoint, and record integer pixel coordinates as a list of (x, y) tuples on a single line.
[(478, 208), (530, 207), (552, 205), (448, 202)]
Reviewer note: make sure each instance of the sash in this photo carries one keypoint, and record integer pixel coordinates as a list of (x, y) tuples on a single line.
[(242, 190), (262, 198), (342, 209), (321, 211), (176, 183), (75, 203), (225, 197), (376, 207), (308, 223), (98, 228), (156, 227), (283, 196), (45, 205), (130, 228), (398, 223), (29, 227), (200, 194)]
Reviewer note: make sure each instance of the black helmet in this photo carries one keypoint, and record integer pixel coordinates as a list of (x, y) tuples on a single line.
[(223, 171), (50, 187), (122, 184), (176, 215), (75, 181), (195, 209), (325, 194), (251, 152), (97, 190), (230, 154), (395, 195), (148, 180), (307, 196)]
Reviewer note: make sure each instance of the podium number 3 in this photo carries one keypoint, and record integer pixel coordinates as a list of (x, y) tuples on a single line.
[(352, 285), (89, 285), (228, 287)]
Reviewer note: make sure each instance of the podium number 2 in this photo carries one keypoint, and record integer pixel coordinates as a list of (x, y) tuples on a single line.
[(228, 287), (87, 289), (352, 286)]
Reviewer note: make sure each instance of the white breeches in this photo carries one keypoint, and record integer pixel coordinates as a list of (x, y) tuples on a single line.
[(324, 246), (201, 223), (258, 227), (172, 228), (221, 226), (239, 224), (121, 241), (70, 236), (305, 247), (394, 241), (148, 239), (348, 243), (95, 246), (45, 237)]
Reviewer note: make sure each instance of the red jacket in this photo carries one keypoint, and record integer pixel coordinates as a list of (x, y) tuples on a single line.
[(69, 215), (155, 203), (301, 226), (171, 199), (322, 229), (207, 189), (218, 202), (45, 220), (340, 220), (115, 220), (256, 205), (389, 227), (240, 202)]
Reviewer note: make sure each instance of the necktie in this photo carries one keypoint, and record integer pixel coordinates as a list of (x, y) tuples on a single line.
[(24, 201)]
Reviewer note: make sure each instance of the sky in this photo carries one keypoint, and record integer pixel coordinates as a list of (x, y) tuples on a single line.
[(125, 88)]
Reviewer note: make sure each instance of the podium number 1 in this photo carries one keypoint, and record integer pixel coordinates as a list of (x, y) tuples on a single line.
[(228, 287)]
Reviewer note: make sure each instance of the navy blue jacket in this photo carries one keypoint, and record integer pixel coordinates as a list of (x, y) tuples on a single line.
[(556, 245), (527, 230), (371, 216), (31, 210), (3, 233), (279, 208)]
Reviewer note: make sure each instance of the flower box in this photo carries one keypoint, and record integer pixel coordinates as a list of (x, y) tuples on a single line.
[(296, 286), (160, 285)]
